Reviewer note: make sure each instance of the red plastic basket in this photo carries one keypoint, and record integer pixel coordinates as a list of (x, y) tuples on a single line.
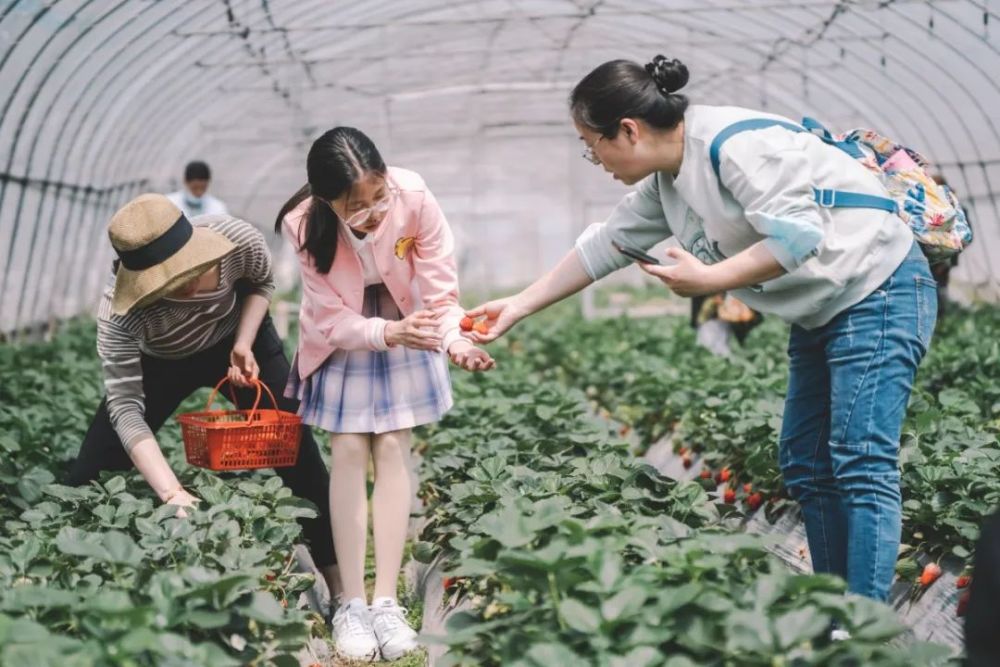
[(241, 439)]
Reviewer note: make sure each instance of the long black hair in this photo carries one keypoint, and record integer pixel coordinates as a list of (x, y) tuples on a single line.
[(624, 89), (337, 160)]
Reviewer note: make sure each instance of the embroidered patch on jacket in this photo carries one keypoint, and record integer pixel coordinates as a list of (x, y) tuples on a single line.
[(404, 245)]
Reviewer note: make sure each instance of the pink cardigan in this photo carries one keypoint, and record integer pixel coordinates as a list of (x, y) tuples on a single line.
[(414, 254)]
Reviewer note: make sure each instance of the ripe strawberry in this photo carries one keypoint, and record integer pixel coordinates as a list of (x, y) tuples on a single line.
[(682, 451), (755, 500), (466, 324), (963, 581), (687, 461), (480, 327), (269, 576), (724, 475), (706, 474), (449, 582), (930, 574), (729, 496), (747, 487)]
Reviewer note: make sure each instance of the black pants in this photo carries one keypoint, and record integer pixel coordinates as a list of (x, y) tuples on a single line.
[(167, 382)]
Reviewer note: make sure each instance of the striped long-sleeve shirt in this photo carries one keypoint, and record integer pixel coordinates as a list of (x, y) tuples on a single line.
[(174, 328)]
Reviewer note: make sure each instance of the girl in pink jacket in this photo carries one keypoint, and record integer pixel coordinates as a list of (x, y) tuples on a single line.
[(379, 310)]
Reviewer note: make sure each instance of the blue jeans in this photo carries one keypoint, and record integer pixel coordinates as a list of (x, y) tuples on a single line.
[(848, 387)]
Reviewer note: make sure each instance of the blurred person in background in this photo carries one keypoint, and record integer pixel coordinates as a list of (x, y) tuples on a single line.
[(193, 199)]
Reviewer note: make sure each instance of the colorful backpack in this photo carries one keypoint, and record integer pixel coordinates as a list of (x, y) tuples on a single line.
[(930, 210)]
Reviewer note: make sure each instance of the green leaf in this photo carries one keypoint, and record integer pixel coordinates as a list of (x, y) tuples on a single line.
[(549, 654), (800, 625), (579, 616), (264, 609), (121, 549), (115, 485), (748, 632), (624, 603)]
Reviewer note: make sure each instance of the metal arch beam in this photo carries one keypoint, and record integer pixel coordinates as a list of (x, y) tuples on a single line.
[(633, 35), (900, 109), (116, 156), (120, 158), (840, 91), (105, 99), (794, 67), (4, 288), (307, 11), (33, 148), (78, 136)]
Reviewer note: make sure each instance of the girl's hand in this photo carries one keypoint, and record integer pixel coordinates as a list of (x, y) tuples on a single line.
[(501, 315), (418, 331), (688, 277), (243, 368), (471, 358)]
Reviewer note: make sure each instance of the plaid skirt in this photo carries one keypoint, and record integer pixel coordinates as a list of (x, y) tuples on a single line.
[(364, 391)]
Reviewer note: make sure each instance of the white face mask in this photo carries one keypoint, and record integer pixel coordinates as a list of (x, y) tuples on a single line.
[(192, 201)]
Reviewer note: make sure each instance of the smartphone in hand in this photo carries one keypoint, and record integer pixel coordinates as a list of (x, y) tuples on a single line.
[(634, 254)]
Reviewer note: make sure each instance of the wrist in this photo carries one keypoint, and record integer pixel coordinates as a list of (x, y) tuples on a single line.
[(168, 494), (518, 307), (717, 279), (389, 332)]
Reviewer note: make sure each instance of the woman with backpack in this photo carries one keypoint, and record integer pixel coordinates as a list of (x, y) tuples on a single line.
[(737, 189)]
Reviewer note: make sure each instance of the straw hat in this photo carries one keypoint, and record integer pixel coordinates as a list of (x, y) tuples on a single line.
[(159, 250)]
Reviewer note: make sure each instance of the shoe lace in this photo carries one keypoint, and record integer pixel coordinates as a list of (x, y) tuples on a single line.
[(353, 622), (390, 618)]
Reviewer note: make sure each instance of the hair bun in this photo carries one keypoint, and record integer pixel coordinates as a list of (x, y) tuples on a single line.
[(668, 75)]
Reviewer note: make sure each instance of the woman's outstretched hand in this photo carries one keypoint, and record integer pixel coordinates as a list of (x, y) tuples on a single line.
[(500, 315)]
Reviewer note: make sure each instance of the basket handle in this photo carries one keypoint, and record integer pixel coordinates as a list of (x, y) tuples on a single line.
[(253, 411)]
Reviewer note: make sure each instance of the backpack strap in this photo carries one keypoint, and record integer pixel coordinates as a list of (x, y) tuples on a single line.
[(843, 199), (849, 147), (826, 198), (744, 126)]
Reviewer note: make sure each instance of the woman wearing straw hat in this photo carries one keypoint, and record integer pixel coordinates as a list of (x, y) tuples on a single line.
[(187, 305)]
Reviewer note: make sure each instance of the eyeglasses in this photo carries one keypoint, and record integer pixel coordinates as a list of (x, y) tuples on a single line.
[(359, 218), (588, 153)]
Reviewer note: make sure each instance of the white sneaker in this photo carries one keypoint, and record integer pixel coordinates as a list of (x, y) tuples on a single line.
[(395, 636), (352, 630)]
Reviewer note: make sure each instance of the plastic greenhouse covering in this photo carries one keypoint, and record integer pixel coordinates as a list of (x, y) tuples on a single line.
[(104, 99), (610, 493)]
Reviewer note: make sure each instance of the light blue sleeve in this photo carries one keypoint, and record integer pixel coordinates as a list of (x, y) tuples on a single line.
[(773, 184), (637, 221)]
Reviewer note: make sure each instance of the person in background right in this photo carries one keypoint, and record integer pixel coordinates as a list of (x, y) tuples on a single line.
[(718, 318)]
